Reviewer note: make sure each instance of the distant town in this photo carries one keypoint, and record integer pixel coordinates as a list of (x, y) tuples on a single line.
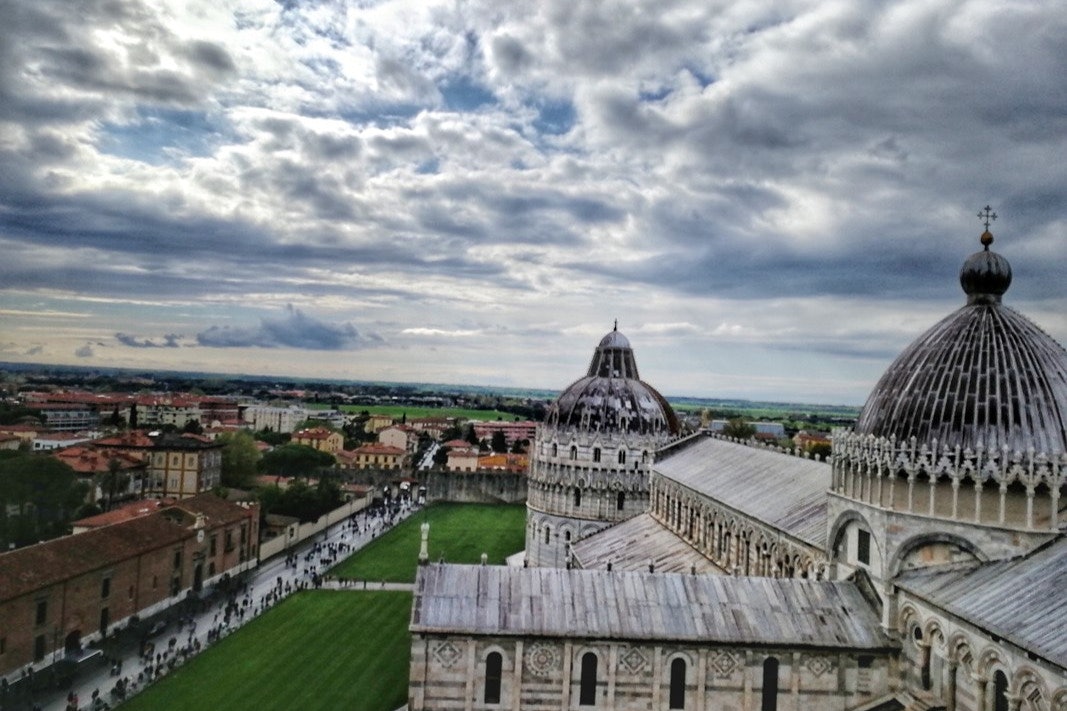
[(122, 436)]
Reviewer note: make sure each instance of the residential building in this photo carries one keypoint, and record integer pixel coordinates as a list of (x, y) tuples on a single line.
[(402, 437), (376, 423), (524, 430), (320, 438), (273, 419), (376, 456)]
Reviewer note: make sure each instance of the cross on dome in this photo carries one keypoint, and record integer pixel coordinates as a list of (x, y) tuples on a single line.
[(987, 216)]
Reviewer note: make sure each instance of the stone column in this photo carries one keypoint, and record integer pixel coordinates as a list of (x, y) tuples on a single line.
[(981, 691), (950, 687)]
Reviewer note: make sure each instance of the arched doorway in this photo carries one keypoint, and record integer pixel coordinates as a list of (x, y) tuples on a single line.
[(72, 643)]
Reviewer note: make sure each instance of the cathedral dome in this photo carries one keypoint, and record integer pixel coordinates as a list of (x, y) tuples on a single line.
[(985, 376), (612, 397)]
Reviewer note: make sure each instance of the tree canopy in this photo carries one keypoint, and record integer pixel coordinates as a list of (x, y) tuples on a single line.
[(38, 498), (239, 459), (301, 499), (294, 460), (739, 429)]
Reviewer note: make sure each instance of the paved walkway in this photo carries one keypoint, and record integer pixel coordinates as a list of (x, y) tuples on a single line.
[(187, 632)]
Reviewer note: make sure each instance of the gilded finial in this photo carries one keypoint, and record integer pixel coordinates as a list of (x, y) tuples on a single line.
[(987, 216)]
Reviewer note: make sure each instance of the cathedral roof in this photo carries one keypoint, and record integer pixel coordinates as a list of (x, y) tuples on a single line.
[(744, 478), (600, 604), (1013, 599), (985, 376), (635, 543), (611, 396)]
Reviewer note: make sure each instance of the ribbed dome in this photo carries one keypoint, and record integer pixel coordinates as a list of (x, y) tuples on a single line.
[(984, 376), (612, 397)]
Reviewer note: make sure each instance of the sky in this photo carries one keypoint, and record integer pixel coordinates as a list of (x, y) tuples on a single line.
[(772, 197)]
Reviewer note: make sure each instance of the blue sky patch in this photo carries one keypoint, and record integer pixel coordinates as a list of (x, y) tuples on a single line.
[(461, 94), (555, 117), (159, 136)]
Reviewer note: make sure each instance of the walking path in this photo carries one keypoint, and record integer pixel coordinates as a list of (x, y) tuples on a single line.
[(187, 633)]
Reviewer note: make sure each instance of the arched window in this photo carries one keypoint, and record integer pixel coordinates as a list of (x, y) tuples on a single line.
[(596, 454), (555, 449), (574, 453), (587, 693), (493, 665), (620, 501), (1000, 691), (577, 497), (548, 532), (567, 536), (622, 456), (770, 685), (677, 699)]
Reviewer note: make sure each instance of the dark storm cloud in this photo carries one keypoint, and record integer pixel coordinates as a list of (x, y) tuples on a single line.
[(294, 329), (170, 340)]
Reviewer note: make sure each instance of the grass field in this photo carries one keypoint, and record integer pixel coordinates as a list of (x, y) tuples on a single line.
[(317, 650), (459, 532)]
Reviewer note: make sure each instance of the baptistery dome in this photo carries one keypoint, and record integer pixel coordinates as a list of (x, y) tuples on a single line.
[(612, 397), (984, 377)]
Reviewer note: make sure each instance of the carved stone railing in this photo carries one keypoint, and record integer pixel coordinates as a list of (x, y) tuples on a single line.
[(873, 470)]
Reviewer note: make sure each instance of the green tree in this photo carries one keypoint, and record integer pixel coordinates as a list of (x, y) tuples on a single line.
[(470, 435), (312, 423), (294, 460), (273, 438), (499, 442), (112, 482), (738, 429), (440, 457), (239, 459), (820, 450), (192, 426), (38, 498)]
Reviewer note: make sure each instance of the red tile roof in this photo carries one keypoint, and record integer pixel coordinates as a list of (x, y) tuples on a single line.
[(314, 433), (134, 509), (378, 449), (84, 460), (25, 570), (133, 438)]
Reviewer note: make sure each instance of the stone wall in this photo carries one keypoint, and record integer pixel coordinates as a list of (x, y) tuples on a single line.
[(481, 487), (449, 672)]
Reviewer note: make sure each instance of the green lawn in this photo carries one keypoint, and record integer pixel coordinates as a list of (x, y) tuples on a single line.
[(458, 532), (316, 650)]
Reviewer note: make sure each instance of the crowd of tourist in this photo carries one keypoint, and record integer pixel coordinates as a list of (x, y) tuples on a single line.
[(228, 608)]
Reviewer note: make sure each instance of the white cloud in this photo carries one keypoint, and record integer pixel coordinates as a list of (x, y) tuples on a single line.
[(792, 178)]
